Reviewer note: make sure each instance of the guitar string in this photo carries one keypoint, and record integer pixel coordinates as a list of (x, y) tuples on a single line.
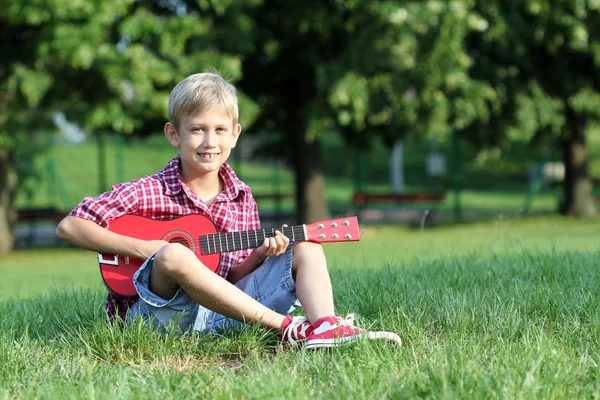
[(240, 238), (238, 242), (237, 237)]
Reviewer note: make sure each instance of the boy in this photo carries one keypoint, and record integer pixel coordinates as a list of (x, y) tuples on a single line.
[(172, 284)]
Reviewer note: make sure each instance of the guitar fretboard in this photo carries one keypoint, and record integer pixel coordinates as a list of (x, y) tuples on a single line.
[(232, 241)]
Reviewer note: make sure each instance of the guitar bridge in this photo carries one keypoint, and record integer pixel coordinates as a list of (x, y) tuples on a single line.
[(113, 260)]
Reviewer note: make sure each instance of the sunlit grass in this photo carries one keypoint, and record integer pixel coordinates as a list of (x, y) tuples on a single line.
[(501, 309)]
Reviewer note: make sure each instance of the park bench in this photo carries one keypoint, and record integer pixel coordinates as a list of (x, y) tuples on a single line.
[(40, 214), (38, 224), (364, 201)]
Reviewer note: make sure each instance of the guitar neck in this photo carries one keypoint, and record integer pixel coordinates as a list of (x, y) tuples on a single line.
[(232, 241)]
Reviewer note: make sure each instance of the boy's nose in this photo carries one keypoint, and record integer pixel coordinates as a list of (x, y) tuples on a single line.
[(210, 139)]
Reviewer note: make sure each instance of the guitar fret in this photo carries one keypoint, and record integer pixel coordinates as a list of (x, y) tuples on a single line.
[(208, 243), (226, 242), (248, 239), (293, 235), (214, 244)]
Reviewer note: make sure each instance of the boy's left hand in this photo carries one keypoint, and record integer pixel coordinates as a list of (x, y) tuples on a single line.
[(274, 246)]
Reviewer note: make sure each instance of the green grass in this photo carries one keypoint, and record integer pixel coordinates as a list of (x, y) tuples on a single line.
[(501, 309)]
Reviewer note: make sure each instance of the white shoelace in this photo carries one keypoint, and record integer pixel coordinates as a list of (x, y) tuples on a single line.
[(290, 331), (348, 321), (381, 335)]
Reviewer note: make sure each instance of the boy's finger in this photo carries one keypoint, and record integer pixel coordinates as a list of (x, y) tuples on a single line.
[(273, 243)]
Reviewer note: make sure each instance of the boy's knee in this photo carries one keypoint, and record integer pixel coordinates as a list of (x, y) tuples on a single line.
[(308, 247), (171, 259), (306, 251)]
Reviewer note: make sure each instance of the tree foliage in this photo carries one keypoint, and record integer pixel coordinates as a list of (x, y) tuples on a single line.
[(495, 70), (108, 65), (541, 57)]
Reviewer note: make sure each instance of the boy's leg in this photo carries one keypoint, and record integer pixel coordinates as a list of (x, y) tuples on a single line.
[(175, 266), (313, 285), (271, 284)]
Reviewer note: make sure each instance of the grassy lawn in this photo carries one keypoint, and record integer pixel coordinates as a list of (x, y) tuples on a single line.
[(502, 309)]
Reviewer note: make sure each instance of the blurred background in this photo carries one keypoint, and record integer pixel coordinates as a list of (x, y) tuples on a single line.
[(423, 113)]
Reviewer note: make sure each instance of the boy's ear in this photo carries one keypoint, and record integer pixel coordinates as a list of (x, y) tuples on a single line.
[(237, 129), (171, 134)]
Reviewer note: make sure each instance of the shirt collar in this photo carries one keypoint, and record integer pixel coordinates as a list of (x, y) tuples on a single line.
[(232, 185), (172, 177)]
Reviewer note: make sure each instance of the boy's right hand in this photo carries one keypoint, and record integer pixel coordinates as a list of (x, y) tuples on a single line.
[(150, 247)]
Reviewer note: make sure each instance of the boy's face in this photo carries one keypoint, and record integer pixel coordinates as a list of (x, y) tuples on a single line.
[(205, 141)]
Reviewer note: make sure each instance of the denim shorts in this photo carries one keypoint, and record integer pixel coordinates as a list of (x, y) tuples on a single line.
[(271, 284)]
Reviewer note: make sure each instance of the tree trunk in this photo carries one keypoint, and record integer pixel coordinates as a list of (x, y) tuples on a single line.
[(310, 183), (578, 199), (311, 205), (8, 184)]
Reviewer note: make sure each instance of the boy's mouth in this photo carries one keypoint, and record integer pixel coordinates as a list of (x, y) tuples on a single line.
[(209, 155)]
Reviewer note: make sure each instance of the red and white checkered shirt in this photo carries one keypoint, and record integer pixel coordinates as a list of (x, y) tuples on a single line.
[(163, 196)]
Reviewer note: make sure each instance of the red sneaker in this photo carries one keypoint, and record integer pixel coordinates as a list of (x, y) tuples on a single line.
[(334, 331), (295, 329)]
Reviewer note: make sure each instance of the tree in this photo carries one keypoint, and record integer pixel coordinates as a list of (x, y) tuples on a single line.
[(109, 66), (543, 58), (363, 68)]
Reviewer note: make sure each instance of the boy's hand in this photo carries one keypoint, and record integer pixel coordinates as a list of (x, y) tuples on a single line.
[(274, 246), (150, 247)]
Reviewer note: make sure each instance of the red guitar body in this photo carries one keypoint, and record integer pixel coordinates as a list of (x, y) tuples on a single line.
[(117, 271), (200, 235)]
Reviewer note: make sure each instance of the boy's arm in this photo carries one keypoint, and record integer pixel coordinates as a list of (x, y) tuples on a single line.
[(273, 246), (85, 226), (87, 234), (253, 261)]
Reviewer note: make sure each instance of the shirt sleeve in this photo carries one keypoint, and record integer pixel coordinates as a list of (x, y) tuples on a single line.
[(253, 218), (104, 208)]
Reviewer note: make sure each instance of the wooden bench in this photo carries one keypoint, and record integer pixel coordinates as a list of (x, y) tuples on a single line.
[(40, 214), (413, 215), (33, 230)]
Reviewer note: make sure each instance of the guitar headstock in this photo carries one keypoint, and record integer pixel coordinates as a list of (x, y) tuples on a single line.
[(334, 230)]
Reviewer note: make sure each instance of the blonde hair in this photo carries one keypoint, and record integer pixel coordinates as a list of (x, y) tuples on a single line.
[(200, 91)]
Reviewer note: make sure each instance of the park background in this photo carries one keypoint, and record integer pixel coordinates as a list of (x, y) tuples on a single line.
[(464, 134)]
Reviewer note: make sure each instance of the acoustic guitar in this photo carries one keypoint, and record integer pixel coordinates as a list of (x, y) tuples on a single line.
[(200, 235)]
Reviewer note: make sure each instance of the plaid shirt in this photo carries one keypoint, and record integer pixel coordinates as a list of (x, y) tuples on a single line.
[(164, 196)]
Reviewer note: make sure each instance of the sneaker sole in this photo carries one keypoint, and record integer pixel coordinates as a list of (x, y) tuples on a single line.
[(389, 336), (318, 343)]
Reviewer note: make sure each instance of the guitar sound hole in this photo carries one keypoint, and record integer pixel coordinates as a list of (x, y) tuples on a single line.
[(181, 237), (181, 241)]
